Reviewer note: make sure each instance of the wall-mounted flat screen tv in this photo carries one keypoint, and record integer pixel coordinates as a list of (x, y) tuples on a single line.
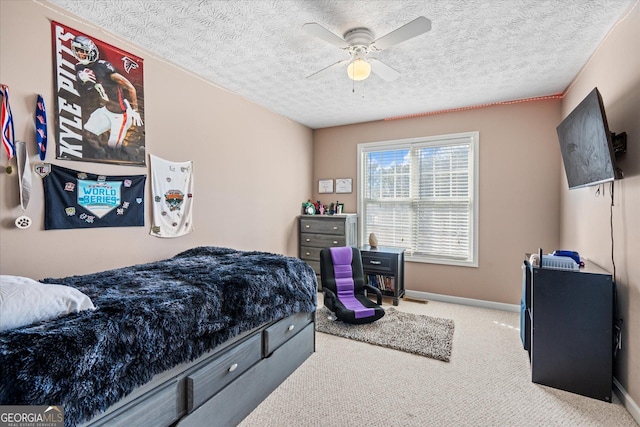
[(586, 145)]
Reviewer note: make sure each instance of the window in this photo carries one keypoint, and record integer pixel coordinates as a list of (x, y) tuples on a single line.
[(421, 194)]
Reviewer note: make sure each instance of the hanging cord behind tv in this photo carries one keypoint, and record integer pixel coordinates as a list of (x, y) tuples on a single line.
[(613, 261), (617, 322)]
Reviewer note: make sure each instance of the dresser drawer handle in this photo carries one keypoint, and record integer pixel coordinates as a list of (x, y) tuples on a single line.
[(375, 262), (290, 328), (307, 253), (233, 367), (307, 226), (335, 242), (335, 228), (308, 240)]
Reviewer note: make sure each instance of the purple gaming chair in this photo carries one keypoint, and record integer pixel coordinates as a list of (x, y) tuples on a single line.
[(343, 285)]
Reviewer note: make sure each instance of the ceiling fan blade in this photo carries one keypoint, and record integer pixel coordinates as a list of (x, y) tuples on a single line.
[(383, 70), (319, 31), (326, 70), (414, 28)]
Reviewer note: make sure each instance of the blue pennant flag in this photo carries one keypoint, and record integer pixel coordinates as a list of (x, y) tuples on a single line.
[(41, 127)]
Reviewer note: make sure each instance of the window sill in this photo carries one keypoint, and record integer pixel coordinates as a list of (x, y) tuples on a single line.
[(441, 261)]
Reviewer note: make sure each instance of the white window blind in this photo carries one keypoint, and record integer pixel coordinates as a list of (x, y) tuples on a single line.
[(420, 195)]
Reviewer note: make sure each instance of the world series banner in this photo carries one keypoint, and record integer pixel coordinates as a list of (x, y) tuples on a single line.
[(74, 199), (99, 96)]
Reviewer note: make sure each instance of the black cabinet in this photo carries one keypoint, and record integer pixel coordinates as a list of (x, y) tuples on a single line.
[(384, 268), (571, 338), (525, 308)]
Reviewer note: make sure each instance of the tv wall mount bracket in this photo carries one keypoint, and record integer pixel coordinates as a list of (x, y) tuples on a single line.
[(619, 142)]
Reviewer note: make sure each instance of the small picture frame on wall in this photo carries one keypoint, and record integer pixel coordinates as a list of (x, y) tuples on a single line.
[(344, 185), (325, 186)]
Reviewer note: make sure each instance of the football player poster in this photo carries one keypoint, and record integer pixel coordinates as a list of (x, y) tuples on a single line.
[(99, 97)]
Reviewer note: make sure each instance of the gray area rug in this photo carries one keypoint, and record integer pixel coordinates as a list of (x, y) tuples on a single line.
[(423, 335)]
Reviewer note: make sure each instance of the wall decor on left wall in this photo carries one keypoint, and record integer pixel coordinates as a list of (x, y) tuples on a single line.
[(76, 199), (99, 94)]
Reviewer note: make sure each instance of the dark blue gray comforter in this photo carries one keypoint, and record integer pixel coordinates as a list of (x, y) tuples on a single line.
[(148, 318)]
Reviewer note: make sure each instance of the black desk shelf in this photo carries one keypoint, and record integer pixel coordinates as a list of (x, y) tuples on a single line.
[(385, 262), (570, 314)]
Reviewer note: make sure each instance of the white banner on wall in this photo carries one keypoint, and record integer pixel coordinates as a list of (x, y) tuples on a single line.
[(172, 191)]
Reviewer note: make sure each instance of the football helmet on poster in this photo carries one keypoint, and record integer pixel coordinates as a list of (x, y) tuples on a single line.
[(84, 49)]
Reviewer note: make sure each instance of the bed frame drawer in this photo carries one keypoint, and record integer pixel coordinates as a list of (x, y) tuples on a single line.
[(159, 409), (238, 399), (208, 380), (278, 333)]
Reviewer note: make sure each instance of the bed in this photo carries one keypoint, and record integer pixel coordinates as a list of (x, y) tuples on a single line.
[(197, 339)]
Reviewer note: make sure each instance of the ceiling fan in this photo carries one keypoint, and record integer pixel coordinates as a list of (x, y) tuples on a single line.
[(359, 44)]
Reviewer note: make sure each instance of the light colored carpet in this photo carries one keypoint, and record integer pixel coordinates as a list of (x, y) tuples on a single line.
[(487, 382), (413, 333)]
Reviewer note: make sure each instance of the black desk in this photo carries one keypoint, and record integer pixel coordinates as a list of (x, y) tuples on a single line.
[(571, 320), (384, 266)]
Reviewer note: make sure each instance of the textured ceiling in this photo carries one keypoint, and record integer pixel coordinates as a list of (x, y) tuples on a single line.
[(477, 52)]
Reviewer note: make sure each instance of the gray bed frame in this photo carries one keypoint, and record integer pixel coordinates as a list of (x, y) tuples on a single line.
[(223, 386)]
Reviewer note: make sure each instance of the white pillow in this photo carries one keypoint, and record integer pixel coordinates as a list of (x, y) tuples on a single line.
[(24, 301)]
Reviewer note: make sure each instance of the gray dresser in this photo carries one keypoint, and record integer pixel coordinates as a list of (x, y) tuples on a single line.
[(323, 231)]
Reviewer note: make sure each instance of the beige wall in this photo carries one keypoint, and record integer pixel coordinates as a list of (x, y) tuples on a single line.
[(519, 189), (615, 70), (241, 199)]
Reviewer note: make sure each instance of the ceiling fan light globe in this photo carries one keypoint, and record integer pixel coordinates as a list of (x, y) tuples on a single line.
[(359, 70)]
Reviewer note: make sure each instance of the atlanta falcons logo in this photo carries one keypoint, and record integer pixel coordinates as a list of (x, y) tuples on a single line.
[(129, 64)]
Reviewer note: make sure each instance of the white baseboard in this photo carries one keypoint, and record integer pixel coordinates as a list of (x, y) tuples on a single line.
[(418, 295), (626, 400)]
